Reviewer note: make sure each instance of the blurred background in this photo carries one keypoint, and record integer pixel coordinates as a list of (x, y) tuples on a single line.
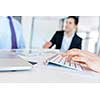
[(39, 29)]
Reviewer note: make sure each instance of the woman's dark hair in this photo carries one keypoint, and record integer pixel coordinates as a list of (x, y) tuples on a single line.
[(76, 19)]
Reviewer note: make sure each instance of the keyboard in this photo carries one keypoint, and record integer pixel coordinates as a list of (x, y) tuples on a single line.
[(62, 62)]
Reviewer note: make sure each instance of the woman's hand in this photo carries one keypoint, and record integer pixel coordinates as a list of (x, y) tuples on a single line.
[(85, 58)]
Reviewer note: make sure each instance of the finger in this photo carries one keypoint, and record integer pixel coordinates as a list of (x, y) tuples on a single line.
[(69, 58), (80, 59), (84, 66), (75, 52)]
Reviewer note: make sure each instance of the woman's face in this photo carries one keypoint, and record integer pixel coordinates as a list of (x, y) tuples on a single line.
[(70, 25)]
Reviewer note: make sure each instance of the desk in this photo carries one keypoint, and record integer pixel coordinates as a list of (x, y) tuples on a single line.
[(43, 73)]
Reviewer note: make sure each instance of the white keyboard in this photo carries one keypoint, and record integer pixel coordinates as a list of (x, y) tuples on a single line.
[(59, 61)]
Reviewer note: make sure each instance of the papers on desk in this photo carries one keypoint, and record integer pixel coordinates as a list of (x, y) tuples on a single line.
[(37, 55), (38, 52)]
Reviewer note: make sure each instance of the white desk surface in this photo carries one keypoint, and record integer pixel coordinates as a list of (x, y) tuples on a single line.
[(41, 73)]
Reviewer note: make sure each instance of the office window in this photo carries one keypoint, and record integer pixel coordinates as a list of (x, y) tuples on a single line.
[(88, 30)]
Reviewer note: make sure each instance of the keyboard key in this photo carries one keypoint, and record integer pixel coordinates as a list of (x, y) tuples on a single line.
[(79, 67), (62, 61), (73, 65)]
